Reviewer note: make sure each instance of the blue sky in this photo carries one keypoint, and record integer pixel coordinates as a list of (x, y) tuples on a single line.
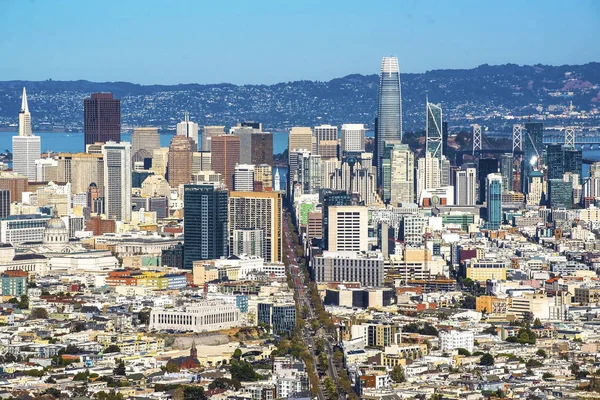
[(208, 41)]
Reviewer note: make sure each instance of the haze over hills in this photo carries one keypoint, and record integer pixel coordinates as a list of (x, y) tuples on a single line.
[(486, 95)]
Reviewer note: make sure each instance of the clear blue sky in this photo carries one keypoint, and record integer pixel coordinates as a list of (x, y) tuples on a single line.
[(210, 41)]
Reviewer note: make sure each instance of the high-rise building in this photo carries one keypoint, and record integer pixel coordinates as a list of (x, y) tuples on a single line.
[(16, 184), (300, 138), (445, 138), (325, 133), (562, 159), (331, 198), (465, 183), (160, 161), (402, 175), (243, 178), (81, 170), (4, 203), (263, 177), (485, 167), (428, 173), (225, 151), (188, 129), (247, 241), (26, 147), (533, 147), (433, 130), (25, 117), (506, 169), (207, 135), (353, 138), (348, 228), (146, 138), (204, 223), (261, 148), (560, 194), (117, 180), (494, 201), (180, 160), (102, 118), (388, 125), (536, 188)]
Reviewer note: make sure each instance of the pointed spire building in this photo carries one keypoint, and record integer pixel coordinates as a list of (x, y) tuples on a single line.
[(25, 147)]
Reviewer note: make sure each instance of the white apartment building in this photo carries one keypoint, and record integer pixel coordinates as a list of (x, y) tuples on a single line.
[(348, 228), (243, 178), (455, 339), (353, 137)]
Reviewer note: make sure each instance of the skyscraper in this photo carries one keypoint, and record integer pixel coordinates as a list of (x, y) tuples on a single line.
[(402, 172), (146, 138), (433, 131), (533, 147), (102, 118), (486, 166), (428, 173), (26, 146), (204, 223), (300, 138), (506, 169), (388, 125), (207, 135), (353, 138), (117, 180), (243, 178), (189, 129), (179, 169), (562, 159), (325, 133), (494, 201), (465, 183), (560, 194), (225, 151)]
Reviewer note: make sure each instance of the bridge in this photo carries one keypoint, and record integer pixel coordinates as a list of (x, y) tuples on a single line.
[(591, 141)]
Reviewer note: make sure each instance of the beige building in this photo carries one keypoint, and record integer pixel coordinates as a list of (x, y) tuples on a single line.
[(482, 270), (348, 228), (402, 172), (536, 303), (258, 210), (146, 138), (160, 159), (300, 138), (204, 272), (81, 170), (55, 195), (263, 173), (207, 135), (155, 185), (587, 295)]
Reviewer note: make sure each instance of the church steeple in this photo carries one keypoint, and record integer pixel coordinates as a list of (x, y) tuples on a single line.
[(193, 350)]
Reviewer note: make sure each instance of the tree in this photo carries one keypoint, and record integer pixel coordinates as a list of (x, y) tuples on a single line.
[(224, 383), (172, 367), (541, 353), (527, 318), (547, 376), (113, 348), (24, 302), (486, 360), (81, 376), (39, 313), (144, 317), (71, 349), (120, 369), (237, 354), (194, 393), (491, 330), (243, 372), (537, 323), (397, 374), (112, 395), (463, 352)]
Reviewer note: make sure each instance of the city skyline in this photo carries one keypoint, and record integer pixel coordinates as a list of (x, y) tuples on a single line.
[(115, 51)]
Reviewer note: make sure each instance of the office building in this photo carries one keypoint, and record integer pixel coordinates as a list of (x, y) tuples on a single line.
[(433, 130), (16, 184), (4, 203), (353, 138), (481, 270), (279, 315), (243, 178), (506, 169), (26, 148), (533, 147), (258, 210), (81, 170), (204, 223), (349, 266), (261, 148), (428, 174), (331, 198), (188, 129), (402, 175), (347, 228), (494, 201), (263, 177), (16, 229), (562, 159), (160, 160), (537, 188), (102, 119), (327, 134), (144, 139), (485, 167), (465, 183), (445, 138), (388, 125), (560, 194), (117, 180), (248, 241), (225, 150), (300, 138), (46, 170), (208, 133), (179, 170)]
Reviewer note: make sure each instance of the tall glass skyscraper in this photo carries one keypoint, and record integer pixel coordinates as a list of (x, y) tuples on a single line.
[(388, 125), (494, 201)]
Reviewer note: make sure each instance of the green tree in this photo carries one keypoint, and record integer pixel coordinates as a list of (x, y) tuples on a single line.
[(112, 395), (24, 302), (225, 383), (172, 367), (491, 330), (486, 360), (463, 352), (537, 323), (144, 317), (81, 376), (39, 313), (120, 369), (243, 371), (397, 374), (194, 393), (113, 348), (541, 353), (547, 376), (237, 354)]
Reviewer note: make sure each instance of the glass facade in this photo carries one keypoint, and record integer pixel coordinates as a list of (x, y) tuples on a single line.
[(494, 201), (388, 125), (434, 130), (533, 146), (560, 194), (204, 223)]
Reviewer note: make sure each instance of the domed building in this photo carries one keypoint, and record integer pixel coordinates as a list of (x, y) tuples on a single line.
[(56, 234)]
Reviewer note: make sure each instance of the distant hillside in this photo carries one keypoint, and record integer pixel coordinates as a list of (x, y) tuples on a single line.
[(484, 94)]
